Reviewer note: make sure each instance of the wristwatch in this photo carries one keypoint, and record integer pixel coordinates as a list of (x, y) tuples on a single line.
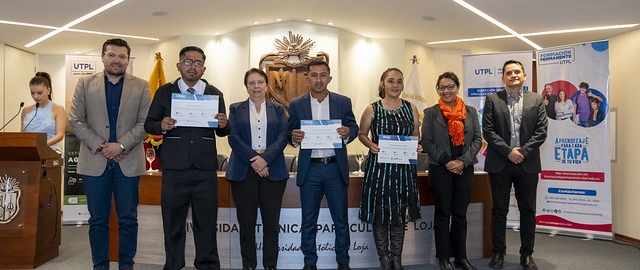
[(122, 147)]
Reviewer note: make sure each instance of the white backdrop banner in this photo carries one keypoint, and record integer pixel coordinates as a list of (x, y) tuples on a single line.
[(482, 75), (419, 246), (75, 202), (574, 192)]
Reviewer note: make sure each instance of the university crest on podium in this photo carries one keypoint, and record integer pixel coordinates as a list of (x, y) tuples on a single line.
[(9, 198)]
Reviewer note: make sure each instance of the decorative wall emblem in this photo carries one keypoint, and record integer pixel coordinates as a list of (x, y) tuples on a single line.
[(9, 198), (287, 68)]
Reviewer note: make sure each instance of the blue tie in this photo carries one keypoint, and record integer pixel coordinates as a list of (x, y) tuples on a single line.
[(191, 90)]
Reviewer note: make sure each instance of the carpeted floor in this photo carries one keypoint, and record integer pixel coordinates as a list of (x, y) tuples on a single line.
[(551, 252)]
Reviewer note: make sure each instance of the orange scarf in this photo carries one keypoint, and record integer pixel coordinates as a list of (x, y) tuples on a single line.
[(455, 116)]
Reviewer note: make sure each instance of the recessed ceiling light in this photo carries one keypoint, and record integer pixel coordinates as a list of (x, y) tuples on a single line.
[(538, 33), (256, 22), (497, 23), (308, 20), (76, 30), (330, 23), (278, 20), (74, 22), (619, 26)]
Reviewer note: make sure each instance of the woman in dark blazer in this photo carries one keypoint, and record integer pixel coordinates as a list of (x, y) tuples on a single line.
[(256, 168), (451, 137)]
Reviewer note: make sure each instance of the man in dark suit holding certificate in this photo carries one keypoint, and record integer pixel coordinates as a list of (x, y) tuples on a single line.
[(189, 163), (514, 124), (323, 172)]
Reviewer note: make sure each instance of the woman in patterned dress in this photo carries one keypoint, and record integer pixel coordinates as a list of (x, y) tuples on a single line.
[(390, 195)]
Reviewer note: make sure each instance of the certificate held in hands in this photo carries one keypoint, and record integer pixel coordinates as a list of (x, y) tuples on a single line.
[(398, 149), (195, 110), (321, 134)]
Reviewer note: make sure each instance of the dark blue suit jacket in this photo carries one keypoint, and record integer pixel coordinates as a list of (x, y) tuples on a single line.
[(340, 108), (240, 141)]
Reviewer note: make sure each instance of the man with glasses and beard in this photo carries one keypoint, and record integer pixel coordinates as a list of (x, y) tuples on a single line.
[(107, 115)]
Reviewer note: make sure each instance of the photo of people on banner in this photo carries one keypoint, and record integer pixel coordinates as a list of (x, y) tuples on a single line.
[(582, 105)]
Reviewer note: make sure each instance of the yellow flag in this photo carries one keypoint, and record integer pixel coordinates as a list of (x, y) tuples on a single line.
[(157, 78)]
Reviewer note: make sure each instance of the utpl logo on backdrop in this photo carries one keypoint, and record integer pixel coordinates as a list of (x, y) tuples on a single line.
[(83, 68), (484, 71), (559, 56)]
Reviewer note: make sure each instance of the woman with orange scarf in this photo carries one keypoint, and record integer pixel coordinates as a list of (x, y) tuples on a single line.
[(451, 137)]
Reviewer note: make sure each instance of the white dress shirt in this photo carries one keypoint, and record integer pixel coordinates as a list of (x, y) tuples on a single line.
[(258, 121), (320, 111)]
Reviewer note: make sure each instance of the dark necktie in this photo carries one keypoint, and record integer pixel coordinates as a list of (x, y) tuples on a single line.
[(191, 90)]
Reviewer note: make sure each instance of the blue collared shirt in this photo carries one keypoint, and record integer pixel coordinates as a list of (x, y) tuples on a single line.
[(113, 94)]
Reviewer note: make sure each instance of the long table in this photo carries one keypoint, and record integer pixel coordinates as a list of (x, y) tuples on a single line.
[(150, 187)]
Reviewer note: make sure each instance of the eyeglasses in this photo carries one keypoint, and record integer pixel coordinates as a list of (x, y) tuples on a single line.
[(190, 62), (119, 56), (449, 87)]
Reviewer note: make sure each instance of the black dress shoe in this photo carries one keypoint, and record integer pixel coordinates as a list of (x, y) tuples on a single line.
[(343, 266), (497, 261), (463, 264), (309, 267), (248, 268), (270, 268), (527, 262), (445, 264)]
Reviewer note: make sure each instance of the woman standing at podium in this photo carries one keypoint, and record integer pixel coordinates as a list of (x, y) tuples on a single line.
[(451, 137), (44, 116), (257, 171)]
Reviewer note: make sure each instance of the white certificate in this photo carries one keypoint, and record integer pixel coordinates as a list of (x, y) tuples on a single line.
[(321, 134), (195, 110), (398, 149)]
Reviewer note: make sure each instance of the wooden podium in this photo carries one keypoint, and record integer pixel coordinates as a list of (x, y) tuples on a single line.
[(30, 210)]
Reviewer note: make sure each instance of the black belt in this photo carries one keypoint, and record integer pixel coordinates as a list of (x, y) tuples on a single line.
[(323, 160)]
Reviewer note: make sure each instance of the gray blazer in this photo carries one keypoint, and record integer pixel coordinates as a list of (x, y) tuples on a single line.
[(89, 120), (495, 130), (435, 136)]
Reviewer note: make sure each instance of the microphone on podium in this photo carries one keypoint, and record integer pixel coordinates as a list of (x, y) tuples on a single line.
[(20, 109), (34, 116)]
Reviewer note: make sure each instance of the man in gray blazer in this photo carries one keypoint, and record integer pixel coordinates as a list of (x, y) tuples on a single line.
[(514, 124), (107, 115)]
